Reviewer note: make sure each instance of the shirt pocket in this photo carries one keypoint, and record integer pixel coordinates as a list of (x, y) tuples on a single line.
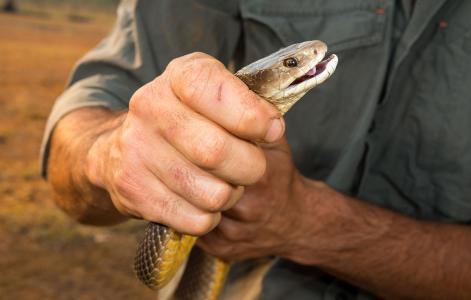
[(341, 24)]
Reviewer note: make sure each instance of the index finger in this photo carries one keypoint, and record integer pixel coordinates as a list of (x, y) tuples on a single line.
[(206, 86)]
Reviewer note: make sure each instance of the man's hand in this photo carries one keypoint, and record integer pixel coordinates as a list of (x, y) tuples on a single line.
[(266, 220), (181, 153)]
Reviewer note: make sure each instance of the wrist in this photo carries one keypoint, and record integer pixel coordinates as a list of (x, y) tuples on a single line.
[(69, 169), (101, 152), (97, 159), (310, 238), (335, 227)]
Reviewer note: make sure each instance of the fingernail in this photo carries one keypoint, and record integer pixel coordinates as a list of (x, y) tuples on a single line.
[(275, 131)]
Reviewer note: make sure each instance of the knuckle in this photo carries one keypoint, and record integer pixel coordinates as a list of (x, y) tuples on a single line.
[(158, 208), (195, 81), (177, 62), (232, 233), (138, 104), (126, 139), (185, 179), (129, 147), (166, 207), (250, 210), (170, 124), (149, 99), (210, 151), (125, 183), (217, 197), (193, 74)]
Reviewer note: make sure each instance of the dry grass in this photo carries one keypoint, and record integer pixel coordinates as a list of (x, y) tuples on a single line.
[(43, 254)]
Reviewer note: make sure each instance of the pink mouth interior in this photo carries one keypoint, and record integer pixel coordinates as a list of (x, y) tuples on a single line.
[(316, 70)]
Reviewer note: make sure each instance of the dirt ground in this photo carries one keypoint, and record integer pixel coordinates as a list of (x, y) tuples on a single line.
[(43, 254)]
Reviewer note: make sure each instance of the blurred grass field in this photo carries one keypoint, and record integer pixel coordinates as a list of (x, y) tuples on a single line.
[(44, 254)]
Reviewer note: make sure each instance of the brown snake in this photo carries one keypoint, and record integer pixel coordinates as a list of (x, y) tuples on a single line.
[(281, 78)]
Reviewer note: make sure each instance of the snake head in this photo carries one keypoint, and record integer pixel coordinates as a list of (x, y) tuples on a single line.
[(283, 77)]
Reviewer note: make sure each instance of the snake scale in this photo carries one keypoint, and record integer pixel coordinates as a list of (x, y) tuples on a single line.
[(165, 255)]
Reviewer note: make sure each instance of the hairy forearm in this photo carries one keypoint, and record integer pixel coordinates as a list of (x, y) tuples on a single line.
[(390, 255), (71, 141)]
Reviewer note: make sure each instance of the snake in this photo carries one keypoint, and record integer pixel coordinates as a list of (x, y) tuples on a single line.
[(166, 260)]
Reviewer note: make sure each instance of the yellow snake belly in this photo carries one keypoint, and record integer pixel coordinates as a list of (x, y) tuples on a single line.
[(160, 255)]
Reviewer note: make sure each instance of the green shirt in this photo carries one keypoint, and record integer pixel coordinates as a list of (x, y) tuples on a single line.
[(392, 126)]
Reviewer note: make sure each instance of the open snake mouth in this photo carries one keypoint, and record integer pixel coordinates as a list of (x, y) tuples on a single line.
[(318, 69)]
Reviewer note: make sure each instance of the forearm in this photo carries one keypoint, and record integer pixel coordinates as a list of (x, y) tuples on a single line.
[(71, 141), (393, 256)]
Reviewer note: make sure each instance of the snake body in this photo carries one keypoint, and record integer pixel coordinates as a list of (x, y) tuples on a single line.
[(281, 78)]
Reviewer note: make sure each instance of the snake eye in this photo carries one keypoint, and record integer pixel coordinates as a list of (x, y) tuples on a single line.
[(290, 62)]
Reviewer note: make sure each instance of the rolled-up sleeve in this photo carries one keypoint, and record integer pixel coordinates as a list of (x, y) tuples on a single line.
[(146, 36)]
